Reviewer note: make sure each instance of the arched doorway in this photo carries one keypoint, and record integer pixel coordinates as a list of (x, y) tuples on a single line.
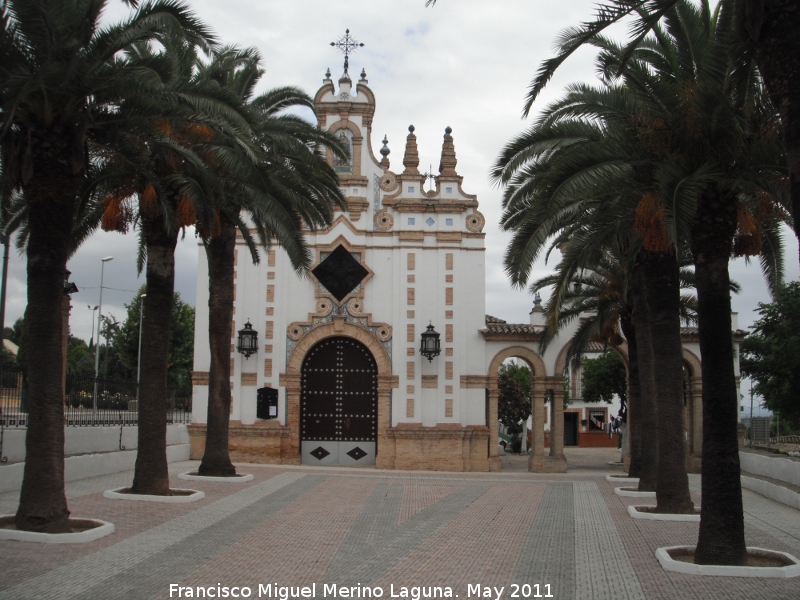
[(339, 404)]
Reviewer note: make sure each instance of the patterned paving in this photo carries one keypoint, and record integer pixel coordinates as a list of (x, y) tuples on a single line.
[(477, 535)]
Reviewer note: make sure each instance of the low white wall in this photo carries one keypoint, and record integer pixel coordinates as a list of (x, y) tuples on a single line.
[(772, 491), (783, 469), (91, 451)]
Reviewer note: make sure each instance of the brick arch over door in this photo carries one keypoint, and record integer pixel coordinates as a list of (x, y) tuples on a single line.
[(561, 360), (291, 380)]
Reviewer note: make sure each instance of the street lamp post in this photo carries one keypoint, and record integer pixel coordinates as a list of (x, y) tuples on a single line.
[(93, 308), (139, 360), (103, 262), (4, 241)]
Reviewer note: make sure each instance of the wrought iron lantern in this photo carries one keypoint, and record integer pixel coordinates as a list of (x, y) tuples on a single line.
[(248, 340), (429, 343)]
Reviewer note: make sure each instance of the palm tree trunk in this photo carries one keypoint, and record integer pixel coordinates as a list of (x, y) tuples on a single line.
[(648, 474), (220, 253), (151, 474), (663, 300), (634, 419), (771, 29), (50, 199), (721, 540)]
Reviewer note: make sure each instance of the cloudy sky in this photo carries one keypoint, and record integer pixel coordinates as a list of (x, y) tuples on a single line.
[(463, 63)]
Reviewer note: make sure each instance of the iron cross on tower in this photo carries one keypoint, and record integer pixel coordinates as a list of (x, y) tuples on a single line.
[(347, 44)]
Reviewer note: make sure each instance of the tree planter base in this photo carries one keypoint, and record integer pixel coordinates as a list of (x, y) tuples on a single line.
[(123, 494), (90, 530), (238, 478), (637, 513), (621, 479), (631, 493), (667, 558)]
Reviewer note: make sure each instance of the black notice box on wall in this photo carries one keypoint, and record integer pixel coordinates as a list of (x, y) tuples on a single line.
[(267, 403)]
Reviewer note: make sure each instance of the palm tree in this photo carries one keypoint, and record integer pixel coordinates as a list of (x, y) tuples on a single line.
[(709, 150), (62, 83), (723, 161), (555, 173), (290, 185), (171, 185), (761, 31)]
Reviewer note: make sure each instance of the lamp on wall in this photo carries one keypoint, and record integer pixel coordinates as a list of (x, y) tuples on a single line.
[(429, 343), (248, 340)]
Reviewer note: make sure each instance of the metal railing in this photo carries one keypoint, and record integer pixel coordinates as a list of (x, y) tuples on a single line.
[(116, 402)]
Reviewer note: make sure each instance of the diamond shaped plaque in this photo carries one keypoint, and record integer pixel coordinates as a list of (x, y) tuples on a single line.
[(319, 453), (356, 453), (340, 273)]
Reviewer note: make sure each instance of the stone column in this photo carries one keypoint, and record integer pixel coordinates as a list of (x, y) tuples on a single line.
[(66, 307), (694, 456), (385, 446), (492, 395), (290, 453), (537, 462), (557, 428)]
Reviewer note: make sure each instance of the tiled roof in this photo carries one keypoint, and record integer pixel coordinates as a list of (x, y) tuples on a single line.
[(503, 327), (491, 319)]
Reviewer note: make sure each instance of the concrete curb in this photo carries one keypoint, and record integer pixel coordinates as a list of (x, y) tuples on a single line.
[(117, 495), (650, 516), (633, 493), (104, 528), (238, 478), (670, 564), (620, 479)]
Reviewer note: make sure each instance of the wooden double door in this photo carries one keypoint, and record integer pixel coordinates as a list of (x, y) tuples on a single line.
[(339, 404)]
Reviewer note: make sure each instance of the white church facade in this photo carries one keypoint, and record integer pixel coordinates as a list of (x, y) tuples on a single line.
[(341, 346)]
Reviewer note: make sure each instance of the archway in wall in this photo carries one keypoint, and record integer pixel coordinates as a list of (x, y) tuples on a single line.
[(693, 400), (339, 404), (577, 420), (538, 372)]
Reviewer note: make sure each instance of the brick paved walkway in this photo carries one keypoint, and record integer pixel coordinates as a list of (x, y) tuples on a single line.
[(298, 526)]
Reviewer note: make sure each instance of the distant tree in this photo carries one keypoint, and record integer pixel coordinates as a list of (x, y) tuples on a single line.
[(15, 332), (770, 355), (181, 347), (514, 399), (80, 358), (603, 378)]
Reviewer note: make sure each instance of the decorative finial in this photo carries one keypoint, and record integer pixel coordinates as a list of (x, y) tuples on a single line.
[(363, 74), (328, 73), (347, 45), (537, 300), (411, 157), (447, 165), (385, 154)]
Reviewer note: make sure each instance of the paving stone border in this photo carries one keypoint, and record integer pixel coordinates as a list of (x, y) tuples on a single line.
[(118, 494), (670, 564), (103, 529), (238, 478), (643, 514), (629, 493)]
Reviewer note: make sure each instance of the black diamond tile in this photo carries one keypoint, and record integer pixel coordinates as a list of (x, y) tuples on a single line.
[(319, 453), (340, 273), (356, 453)]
